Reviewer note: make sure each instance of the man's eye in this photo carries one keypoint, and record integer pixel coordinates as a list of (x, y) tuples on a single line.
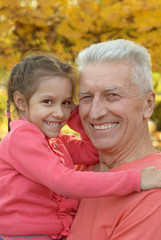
[(88, 96), (85, 98), (112, 97)]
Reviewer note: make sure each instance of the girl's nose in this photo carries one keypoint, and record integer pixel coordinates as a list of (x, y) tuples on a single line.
[(58, 112)]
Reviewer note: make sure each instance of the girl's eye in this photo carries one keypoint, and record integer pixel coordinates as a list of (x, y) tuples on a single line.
[(67, 103), (48, 101)]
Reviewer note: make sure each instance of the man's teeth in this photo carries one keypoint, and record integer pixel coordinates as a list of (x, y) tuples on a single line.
[(104, 126), (55, 125)]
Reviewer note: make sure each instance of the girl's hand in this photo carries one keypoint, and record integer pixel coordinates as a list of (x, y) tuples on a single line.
[(150, 178)]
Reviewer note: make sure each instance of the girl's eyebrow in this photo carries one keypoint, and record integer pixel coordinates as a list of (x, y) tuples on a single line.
[(51, 96), (47, 96), (69, 97)]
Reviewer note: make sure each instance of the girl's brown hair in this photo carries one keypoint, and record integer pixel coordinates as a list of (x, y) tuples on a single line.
[(25, 75)]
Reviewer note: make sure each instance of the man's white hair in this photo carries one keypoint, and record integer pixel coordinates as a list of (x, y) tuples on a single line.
[(124, 51)]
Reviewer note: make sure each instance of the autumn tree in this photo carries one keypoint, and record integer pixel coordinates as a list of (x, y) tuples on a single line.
[(64, 27)]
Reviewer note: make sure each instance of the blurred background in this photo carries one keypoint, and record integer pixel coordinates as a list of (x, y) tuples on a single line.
[(64, 27)]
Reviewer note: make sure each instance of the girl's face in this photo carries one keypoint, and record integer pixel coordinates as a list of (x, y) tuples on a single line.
[(50, 106)]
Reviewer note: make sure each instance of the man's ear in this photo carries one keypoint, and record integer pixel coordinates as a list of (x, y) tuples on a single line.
[(149, 105), (19, 101)]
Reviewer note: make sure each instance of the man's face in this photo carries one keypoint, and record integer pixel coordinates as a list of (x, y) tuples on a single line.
[(110, 105)]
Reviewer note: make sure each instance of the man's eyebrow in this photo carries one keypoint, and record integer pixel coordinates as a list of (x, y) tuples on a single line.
[(83, 92), (111, 88), (105, 90)]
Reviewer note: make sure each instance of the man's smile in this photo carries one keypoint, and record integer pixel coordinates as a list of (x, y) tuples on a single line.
[(104, 126)]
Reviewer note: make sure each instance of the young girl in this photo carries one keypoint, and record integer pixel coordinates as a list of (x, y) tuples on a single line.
[(38, 185)]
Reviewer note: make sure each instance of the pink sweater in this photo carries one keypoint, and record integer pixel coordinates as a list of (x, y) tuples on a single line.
[(133, 217), (33, 178)]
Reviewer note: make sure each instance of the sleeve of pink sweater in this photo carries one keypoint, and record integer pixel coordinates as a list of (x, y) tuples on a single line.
[(31, 156), (81, 150)]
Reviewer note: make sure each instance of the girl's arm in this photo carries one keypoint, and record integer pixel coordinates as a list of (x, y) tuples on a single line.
[(31, 156), (81, 150)]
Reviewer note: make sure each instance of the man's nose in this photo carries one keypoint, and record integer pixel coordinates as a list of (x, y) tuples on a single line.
[(98, 109)]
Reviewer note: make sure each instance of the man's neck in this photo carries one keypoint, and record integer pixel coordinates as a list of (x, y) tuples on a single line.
[(111, 158)]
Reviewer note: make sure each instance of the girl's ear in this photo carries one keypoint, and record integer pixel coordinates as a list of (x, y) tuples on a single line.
[(149, 105), (20, 101)]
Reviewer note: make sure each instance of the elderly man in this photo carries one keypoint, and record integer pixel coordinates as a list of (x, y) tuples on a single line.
[(116, 99)]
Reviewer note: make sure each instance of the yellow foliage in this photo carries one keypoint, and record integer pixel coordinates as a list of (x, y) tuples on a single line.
[(64, 27), (67, 130), (3, 28), (9, 3)]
